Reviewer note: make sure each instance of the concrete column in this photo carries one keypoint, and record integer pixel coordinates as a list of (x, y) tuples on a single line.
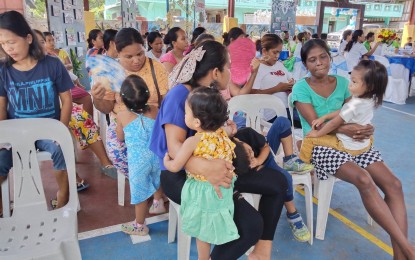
[(231, 8)]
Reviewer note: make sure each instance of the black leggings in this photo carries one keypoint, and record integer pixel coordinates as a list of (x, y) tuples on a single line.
[(252, 225)]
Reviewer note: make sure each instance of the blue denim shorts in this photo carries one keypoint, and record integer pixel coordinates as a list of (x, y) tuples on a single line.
[(6, 159)]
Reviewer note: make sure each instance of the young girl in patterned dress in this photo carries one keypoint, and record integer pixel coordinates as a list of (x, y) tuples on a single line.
[(135, 126), (204, 215)]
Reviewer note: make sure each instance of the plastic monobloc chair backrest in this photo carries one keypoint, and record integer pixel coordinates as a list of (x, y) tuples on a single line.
[(33, 231), (253, 105)]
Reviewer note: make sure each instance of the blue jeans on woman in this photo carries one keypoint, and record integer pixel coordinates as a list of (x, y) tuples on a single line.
[(281, 128), (6, 158)]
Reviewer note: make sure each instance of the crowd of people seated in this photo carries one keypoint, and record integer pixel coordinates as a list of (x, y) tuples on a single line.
[(169, 129)]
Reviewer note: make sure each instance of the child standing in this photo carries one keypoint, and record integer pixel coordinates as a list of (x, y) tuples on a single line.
[(204, 215), (367, 86), (135, 126)]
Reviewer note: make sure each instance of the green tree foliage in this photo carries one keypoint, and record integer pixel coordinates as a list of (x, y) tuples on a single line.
[(97, 7), (40, 10)]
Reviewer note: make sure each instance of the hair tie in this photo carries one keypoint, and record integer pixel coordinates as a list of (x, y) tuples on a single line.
[(183, 71)]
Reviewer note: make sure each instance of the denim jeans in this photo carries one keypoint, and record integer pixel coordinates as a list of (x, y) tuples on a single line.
[(6, 159), (281, 128)]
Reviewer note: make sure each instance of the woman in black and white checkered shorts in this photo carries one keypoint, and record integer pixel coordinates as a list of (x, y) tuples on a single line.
[(321, 94)]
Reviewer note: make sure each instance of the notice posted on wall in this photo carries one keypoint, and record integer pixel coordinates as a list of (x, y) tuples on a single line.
[(283, 16)]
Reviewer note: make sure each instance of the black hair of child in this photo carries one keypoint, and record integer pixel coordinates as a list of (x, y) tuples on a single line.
[(241, 161), (135, 94), (375, 78), (208, 105)]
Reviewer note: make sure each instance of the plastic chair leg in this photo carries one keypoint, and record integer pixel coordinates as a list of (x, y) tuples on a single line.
[(171, 235), (324, 194), (183, 240), (309, 206), (316, 183), (121, 188), (369, 220), (5, 195)]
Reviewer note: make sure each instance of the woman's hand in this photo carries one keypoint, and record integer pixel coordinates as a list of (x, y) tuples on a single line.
[(230, 128), (98, 91), (220, 174), (356, 131), (254, 163), (255, 64), (282, 87)]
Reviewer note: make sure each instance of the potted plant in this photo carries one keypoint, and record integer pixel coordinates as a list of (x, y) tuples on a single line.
[(76, 64)]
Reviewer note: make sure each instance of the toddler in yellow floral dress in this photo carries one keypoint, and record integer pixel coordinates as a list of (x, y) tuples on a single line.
[(204, 215)]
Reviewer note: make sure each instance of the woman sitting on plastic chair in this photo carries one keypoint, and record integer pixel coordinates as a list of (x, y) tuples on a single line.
[(317, 96), (28, 70)]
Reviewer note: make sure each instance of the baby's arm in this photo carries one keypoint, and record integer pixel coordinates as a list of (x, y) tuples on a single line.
[(318, 122), (262, 157), (230, 128), (185, 152), (327, 128)]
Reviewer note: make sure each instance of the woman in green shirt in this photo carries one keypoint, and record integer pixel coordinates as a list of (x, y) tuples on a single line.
[(321, 94)]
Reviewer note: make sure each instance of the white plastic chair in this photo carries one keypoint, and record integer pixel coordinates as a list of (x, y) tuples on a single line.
[(323, 190), (33, 231), (5, 191), (252, 105), (5, 186)]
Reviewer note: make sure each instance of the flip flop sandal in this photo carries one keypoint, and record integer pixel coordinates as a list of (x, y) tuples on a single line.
[(110, 171), (80, 186), (54, 203)]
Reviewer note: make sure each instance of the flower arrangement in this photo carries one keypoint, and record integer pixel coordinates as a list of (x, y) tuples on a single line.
[(387, 36)]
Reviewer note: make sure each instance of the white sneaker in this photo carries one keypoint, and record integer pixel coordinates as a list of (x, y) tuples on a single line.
[(157, 207)]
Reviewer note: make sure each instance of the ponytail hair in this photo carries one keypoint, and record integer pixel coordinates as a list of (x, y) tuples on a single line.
[(171, 36), (356, 34), (233, 34), (93, 34), (216, 56), (135, 94), (109, 36)]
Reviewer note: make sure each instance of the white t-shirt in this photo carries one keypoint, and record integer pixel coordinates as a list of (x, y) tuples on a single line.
[(268, 77), (150, 55), (342, 47), (353, 56), (297, 52), (358, 111)]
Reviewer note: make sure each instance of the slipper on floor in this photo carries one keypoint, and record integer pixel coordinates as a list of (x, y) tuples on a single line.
[(80, 186), (110, 171)]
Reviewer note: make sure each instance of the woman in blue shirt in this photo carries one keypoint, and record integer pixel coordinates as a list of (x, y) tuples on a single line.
[(170, 131)]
